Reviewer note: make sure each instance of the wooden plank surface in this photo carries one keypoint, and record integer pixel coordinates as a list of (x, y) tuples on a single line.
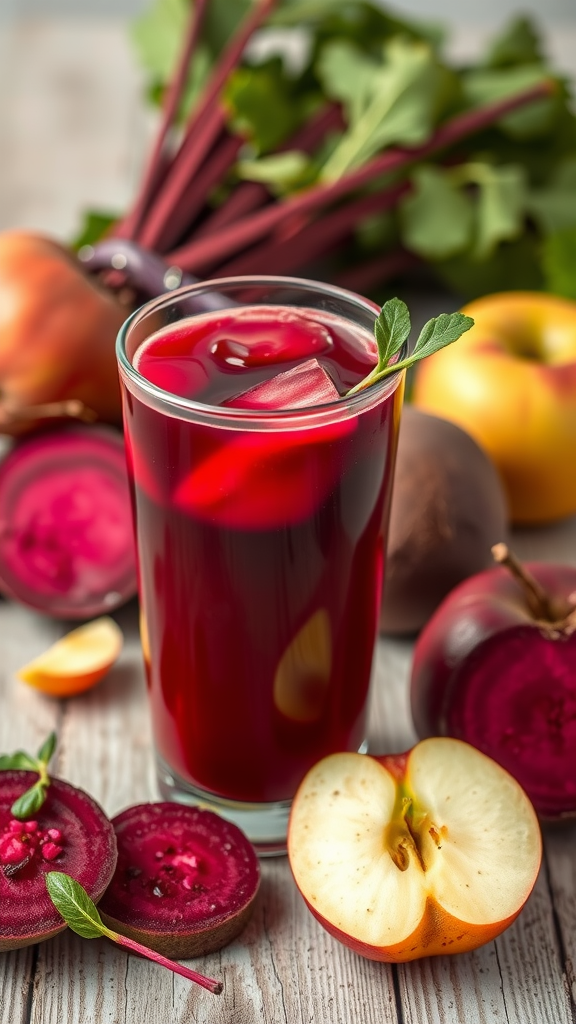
[(73, 132)]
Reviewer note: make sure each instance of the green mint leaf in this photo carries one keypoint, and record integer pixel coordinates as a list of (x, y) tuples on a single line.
[(391, 329), (391, 323), (47, 749), (19, 760), (74, 904), (437, 217), (27, 805), (440, 331)]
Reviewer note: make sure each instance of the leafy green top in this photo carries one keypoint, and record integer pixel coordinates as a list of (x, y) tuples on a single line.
[(391, 330), (31, 801)]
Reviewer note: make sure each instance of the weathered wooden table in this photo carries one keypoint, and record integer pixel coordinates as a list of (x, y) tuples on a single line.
[(72, 133)]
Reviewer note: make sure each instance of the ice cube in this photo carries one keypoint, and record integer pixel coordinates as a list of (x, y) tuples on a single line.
[(304, 385), (269, 334)]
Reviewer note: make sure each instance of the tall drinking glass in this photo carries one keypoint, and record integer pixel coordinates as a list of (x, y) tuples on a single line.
[(261, 498)]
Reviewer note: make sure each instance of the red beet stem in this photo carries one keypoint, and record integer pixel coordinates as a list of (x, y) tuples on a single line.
[(212, 172), (312, 239), (198, 256), (250, 195), (213, 986), (156, 166), (244, 199), (206, 122)]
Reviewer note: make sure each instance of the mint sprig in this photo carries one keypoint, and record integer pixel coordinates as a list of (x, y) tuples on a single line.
[(391, 331), (81, 915), (31, 801)]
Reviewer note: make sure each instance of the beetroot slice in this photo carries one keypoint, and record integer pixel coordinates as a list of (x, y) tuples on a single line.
[(66, 536), (185, 881), (69, 833), (307, 384)]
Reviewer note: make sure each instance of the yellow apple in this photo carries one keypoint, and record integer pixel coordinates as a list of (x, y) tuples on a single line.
[(399, 857), (510, 382)]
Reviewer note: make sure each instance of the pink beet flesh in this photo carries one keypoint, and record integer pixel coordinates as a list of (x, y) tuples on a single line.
[(66, 542), (69, 833), (184, 878), (304, 385), (515, 699)]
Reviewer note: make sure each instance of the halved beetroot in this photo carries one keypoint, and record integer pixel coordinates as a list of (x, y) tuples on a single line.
[(66, 536), (69, 833), (185, 881)]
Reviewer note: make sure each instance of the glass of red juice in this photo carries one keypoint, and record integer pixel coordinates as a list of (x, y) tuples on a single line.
[(261, 497)]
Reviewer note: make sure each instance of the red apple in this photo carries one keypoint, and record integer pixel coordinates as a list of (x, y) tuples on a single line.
[(431, 852), (495, 666)]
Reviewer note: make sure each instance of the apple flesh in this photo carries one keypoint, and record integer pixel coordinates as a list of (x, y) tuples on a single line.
[(399, 857), (510, 382), (496, 670)]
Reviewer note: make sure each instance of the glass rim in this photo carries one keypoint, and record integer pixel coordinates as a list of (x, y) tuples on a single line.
[(188, 408)]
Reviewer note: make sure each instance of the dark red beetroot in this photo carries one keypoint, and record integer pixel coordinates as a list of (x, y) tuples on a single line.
[(69, 833), (495, 666), (185, 881), (66, 540)]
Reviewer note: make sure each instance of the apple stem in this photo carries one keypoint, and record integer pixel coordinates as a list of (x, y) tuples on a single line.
[(539, 601)]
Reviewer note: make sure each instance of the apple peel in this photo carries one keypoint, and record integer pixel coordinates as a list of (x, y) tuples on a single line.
[(77, 661), (434, 852)]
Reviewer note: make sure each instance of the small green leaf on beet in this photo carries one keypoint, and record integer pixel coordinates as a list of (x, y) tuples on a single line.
[(75, 906), (19, 760), (27, 805), (47, 749)]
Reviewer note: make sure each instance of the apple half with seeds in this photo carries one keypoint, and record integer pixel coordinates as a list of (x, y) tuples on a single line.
[(403, 856)]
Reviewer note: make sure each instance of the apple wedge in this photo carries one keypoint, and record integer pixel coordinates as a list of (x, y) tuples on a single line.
[(77, 661), (430, 852)]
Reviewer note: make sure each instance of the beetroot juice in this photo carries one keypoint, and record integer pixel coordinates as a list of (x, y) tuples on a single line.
[(261, 497)]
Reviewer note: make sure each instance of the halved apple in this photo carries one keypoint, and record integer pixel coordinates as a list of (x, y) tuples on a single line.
[(77, 661), (430, 852)]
